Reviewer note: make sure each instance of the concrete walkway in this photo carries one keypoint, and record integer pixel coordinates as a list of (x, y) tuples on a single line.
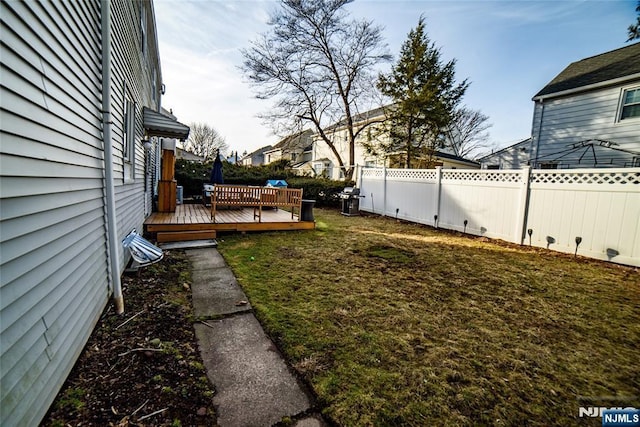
[(254, 385)]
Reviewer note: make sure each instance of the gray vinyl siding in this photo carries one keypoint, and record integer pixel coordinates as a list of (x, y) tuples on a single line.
[(583, 116), (132, 73), (53, 242), (54, 280)]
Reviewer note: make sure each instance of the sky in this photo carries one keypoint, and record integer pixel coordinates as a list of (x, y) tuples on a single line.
[(507, 49)]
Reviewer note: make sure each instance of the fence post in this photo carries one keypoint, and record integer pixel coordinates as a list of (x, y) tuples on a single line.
[(437, 194), (522, 207), (384, 190)]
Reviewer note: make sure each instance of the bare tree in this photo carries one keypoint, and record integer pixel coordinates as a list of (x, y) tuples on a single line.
[(468, 133), (317, 65), (204, 140)]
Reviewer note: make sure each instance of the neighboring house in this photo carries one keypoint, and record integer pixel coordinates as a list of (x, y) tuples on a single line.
[(255, 158), (187, 155), (304, 166), (233, 158), (440, 158), (325, 163), (515, 156), (589, 115), (289, 148), (79, 126)]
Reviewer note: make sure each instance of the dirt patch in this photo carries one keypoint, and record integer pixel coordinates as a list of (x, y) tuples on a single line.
[(141, 368)]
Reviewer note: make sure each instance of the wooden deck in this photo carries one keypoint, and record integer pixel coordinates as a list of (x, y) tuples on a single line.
[(190, 222)]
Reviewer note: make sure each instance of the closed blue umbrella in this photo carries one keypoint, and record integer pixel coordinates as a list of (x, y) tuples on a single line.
[(216, 171)]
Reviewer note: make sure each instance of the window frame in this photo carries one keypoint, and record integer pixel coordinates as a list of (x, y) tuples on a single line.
[(622, 105), (143, 29), (128, 137)]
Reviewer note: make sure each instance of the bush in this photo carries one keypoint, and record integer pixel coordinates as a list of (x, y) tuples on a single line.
[(191, 176), (323, 191)]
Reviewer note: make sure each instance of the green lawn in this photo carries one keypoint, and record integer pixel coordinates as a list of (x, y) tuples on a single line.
[(400, 324)]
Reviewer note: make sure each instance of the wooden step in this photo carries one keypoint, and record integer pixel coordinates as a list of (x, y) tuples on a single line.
[(181, 236)]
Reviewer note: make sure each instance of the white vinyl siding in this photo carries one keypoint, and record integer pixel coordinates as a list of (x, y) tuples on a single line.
[(513, 157), (54, 282), (580, 117)]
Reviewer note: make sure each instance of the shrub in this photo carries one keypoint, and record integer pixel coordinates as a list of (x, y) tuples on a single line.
[(323, 191), (191, 176)]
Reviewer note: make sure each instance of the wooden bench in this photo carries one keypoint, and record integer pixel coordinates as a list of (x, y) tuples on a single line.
[(255, 197)]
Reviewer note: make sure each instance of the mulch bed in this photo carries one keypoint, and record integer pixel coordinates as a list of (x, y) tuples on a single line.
[(143, 367)]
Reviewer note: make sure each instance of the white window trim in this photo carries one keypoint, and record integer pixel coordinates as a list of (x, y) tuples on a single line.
[(623, 92)]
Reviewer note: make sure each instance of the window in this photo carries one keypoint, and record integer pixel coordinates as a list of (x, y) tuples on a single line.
[(323, 169), (548, 166), (630, 103), (154, 86), (129, 129), (129, 139), (143, 28)]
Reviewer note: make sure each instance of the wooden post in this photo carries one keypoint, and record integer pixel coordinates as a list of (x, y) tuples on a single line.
[(167, 187), (168, 165)]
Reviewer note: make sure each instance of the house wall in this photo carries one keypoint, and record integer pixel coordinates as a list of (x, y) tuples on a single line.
[(255, 159), (54, 283), (135, 75), (514, 157), (559, 122), (272, 156), (371, 136), (322, 154)]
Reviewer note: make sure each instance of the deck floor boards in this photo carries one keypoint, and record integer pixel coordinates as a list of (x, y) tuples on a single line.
[(197, 217)]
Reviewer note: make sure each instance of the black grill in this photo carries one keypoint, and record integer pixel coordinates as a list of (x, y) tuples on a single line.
[(350, 197)]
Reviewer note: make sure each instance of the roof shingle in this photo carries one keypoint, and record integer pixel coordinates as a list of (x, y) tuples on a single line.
[(596, 69)]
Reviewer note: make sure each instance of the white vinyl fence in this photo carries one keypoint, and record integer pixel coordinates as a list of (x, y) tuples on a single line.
[(596, 211)]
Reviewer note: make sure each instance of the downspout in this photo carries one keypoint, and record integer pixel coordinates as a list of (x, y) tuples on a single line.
[(110, 211)]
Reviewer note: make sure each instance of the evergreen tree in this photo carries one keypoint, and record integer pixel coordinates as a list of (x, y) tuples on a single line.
[(424, 97), (634, 29)]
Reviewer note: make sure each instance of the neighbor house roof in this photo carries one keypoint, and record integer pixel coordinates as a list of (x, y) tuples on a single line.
[(445, 155), (187, 155), (257, 152), (158, 124), (525, 141), (614, 65), (359, 118), (299, 140)]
